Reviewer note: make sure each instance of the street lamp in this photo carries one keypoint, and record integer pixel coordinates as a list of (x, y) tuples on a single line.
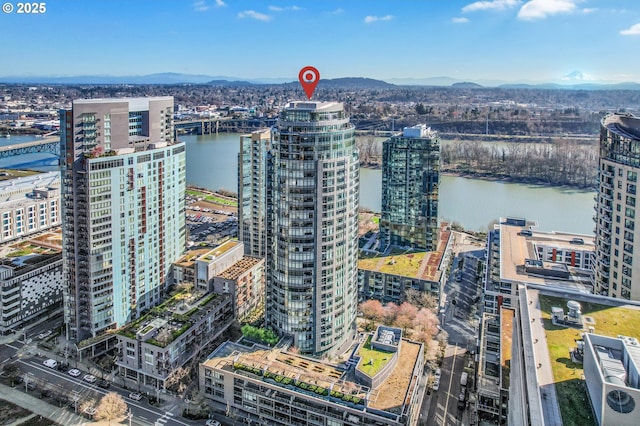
[(27, 379)]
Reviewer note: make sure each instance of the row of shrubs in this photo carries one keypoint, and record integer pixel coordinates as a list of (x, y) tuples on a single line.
[(258, 334), (302, 385)]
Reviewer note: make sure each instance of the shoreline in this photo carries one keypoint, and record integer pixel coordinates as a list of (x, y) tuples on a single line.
[(507, 179)]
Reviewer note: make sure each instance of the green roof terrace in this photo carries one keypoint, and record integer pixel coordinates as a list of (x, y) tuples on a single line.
[(164, 323)]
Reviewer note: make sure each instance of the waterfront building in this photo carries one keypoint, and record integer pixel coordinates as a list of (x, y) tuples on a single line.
[(517, 254), (312, 227), (171, 336), (31, 284), (123, 192), (387, 278), (29, 204), (252, 191), (278, 387), (410, 180), (616, 274)]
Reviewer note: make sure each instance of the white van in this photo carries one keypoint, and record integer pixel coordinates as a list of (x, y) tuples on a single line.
[(51, 363)]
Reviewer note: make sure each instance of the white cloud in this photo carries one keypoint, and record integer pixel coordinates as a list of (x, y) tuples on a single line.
[(540, 9), (338, 11), (254, 15), (371, 19), (200, 6), (459, 20), (282, 9), (490, 5), (220, 3), (632, 30), (589, 10)]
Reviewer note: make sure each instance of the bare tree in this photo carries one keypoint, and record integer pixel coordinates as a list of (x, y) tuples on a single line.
[(176, 379), (420, 299), (87, 405), (111, 407), (164, 336)]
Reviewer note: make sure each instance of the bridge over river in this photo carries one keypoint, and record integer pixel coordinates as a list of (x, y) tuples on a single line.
[(44, 146)]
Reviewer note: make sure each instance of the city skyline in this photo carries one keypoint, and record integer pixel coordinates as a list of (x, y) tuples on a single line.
[(493, 40)]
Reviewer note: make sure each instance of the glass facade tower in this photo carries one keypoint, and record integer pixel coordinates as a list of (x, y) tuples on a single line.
[(123, 210), (615, 272), (252, 191), (312, 227), (410, 180)]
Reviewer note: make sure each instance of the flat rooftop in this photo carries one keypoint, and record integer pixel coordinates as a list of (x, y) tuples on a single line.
[(240, 267), (189, 259), (608, 316), (315, 106), (389, 396), (15, 187), (419, 264), (506, 339), (135, 104), (212, 254), (516, 248)]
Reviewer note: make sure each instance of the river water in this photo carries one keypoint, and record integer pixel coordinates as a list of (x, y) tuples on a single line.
[(212, 163)]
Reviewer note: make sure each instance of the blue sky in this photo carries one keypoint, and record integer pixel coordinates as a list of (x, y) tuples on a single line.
[(510, 40)]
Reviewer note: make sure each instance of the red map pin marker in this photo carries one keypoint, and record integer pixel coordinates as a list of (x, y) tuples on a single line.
[(309, 78)]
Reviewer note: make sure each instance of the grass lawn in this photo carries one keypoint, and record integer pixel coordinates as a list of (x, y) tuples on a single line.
[(570, 388), (212, 198), (22, 252), (405, 264), (379, 358)]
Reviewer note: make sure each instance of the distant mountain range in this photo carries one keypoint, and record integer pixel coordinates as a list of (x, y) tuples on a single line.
[(575, 80)]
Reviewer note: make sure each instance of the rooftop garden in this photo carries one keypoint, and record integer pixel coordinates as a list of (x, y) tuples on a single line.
[(178, 312), (300, 384), (400, 264), (372, 360), (571, 390)]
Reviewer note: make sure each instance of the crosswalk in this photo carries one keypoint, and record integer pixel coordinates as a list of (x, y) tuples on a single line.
[(164, 419)]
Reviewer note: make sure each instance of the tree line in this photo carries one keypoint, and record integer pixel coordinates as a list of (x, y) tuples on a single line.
[(562, 162)]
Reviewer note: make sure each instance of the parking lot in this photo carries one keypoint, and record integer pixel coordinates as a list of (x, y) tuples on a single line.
[(210, 222)]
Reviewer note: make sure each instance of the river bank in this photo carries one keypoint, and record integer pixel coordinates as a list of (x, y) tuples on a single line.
[(498, 178), (511, 179)]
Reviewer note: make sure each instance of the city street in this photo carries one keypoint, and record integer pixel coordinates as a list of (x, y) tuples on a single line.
[(32, 371), (458, 313)]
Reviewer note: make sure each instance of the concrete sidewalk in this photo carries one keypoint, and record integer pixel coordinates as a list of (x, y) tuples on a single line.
[(59, 415)]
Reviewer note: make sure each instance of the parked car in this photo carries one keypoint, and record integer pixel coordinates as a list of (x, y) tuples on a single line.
[(51, 363), (135, 396), (104, 384), (436, 385), (62, 367), (74, 372), (437, 374), (45, 393), (89, 378), (45, 334), (212, 422)]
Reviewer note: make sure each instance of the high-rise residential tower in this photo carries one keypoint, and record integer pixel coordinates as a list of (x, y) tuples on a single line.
[(410, 178), (312, 227), (616, 273), (123, 189), (252, 191)]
